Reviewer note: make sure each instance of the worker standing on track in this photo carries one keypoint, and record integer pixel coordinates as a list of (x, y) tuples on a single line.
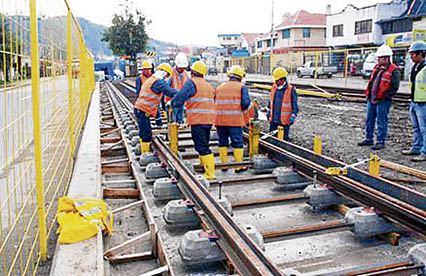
[(417, 53), (232, 99), (198, 96), (382, 86), (283, 106), (147, 103), (177, 81)]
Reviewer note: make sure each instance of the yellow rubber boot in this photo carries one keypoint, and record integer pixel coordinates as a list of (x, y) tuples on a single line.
[(201, 161), (223, 154), (145, 147), (208, 163), (238, 157)]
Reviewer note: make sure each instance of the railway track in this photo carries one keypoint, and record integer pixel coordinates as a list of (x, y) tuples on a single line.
[(262, 222)]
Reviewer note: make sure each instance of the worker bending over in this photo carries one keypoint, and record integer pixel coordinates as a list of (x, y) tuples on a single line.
[(198, 96), (283, 107), (176, 81), (147, 103), (232, 99)]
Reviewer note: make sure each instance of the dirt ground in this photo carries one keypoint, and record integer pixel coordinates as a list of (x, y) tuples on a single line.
[(341, 126)]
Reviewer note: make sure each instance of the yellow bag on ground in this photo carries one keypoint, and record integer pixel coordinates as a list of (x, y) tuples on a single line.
[(80, 219)]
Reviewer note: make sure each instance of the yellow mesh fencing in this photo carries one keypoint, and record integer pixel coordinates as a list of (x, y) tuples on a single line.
[(46, 82), (341, 67)]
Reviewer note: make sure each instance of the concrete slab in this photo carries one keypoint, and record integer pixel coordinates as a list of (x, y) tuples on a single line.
[(85, 257)]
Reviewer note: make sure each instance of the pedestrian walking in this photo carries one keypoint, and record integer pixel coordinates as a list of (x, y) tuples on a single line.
[(232, 99), (283, 105), (198, 97), (382, 86), (417, 53)]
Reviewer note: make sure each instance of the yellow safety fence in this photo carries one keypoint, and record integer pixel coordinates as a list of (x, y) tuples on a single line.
[(342, 67), (46, 82)]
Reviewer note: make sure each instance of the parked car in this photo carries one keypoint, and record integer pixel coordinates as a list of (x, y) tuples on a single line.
[(368, 66), (310, 69), (212, 71)]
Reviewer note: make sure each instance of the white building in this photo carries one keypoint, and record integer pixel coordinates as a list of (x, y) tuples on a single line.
[(358, 27)]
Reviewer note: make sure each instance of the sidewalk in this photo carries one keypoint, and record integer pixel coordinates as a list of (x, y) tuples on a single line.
[(85, 257)]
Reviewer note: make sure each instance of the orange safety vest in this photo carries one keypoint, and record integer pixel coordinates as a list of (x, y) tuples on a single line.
[(148, 100), (249, 113), (228, 104), (385, 82), (176, 82), (286, 107), (143, 78), (200, 107)]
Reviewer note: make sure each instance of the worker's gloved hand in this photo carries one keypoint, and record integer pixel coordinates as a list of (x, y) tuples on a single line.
[(292, 119), (168, 105)]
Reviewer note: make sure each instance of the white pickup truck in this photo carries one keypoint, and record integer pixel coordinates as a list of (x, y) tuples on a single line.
[(310, 68)]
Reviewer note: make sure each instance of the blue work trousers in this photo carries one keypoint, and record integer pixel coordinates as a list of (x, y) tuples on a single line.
[(201, 137), (418, 119), (177, 114), (235, 133), (377, 112), (274, 126), (144, 122)]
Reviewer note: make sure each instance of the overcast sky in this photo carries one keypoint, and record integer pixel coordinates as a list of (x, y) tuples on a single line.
[(199, 22)]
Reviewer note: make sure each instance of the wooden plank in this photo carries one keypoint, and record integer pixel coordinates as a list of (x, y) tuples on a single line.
[(156, 271), (106, 131), (119, 248), (114, 152), (131, 257), (119, 182), (403, 169), (115, 161), (110, 140), (121, 193), (115, 169), (128, 206)]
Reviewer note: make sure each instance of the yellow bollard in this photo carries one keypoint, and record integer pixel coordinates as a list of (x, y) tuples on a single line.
[(317, 144), (173, 137), (280, 134), (254, 136), (374, 165)]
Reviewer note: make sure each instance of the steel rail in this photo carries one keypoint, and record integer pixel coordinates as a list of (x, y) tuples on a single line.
[(407, 208), (242, 252)]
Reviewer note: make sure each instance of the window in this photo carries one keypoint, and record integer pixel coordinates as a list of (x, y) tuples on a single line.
[(286, 33), (259, 44), (338, 30), (228, 38), (268, 43), (362, 27), (397, 26), (306, 32)]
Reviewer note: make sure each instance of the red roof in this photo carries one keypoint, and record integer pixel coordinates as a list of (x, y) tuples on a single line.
[(250, 37), (303, 17)]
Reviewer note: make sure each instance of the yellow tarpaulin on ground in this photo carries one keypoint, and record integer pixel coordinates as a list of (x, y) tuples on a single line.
[(80, 219)]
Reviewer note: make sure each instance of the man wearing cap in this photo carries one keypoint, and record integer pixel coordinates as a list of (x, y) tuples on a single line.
[(417, 53), (283, 106), (147, 103), (232, 99), (382, 86), (198, 96)]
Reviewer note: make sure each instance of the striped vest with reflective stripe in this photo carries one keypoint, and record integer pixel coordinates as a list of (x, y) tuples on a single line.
[(200, 107), (286, 108), (228, 104), (420, 86), (148, 100), (176, 82)]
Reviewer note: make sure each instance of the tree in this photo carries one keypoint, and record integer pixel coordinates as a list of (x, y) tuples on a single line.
[(127, 34)]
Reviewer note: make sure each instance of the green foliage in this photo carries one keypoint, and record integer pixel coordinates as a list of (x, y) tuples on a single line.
[(127, 34)]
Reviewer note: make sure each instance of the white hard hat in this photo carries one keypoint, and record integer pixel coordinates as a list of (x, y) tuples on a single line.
[(181, 61), (384, 51)]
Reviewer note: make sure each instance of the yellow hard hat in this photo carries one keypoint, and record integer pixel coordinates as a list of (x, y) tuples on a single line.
[(146, 65), (237, 70), (279, 73), (199, 67), (165, 67)]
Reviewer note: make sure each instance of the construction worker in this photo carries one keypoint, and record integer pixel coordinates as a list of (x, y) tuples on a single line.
[(383, 84), (417, 53), (147, 103), (176, 81), (198, 96), (283, 106), (147, 71), (251, 112), (232, 99)]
